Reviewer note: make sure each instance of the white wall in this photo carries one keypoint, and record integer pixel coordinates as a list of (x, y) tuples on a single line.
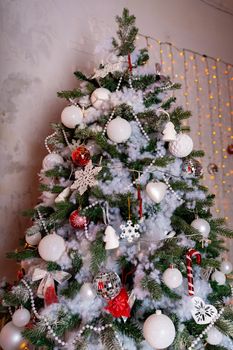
[(42, 43)]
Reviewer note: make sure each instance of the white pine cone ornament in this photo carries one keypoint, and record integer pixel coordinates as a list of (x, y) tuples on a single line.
[(182, 146)]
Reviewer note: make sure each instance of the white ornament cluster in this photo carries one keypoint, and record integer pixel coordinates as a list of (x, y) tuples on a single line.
[(207, 329), (54, 335)]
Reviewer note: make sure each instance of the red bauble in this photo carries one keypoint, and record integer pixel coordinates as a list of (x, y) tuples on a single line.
[(230, 149), (81, 156), (76, 220)]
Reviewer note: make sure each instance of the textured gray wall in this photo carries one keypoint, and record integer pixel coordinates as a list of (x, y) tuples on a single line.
[(42, 43)]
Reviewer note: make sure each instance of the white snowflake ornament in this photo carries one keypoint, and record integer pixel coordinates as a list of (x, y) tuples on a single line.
[(130, 231), (85, 178)]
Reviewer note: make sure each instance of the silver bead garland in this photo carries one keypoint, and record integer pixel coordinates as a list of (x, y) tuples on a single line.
[(46, 142), (170, 188), (136, 117), (42, 221)]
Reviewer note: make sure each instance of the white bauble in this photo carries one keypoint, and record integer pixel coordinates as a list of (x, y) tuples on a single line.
[(51, 247), (33, 239), (119, 130), (72, 116), (11, 337), (156, 191), (87, 291), (182, 146), (99, 96), (201, 226), (226, 267), (21, 317), (52, 160), (219, 277), (172, 277), (214, 337), (159, 330)]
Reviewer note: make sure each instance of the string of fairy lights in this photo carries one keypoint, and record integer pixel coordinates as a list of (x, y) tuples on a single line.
[(207, 90)]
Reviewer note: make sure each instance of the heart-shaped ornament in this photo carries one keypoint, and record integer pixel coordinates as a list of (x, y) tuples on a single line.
[(201, 312), (156, 191)]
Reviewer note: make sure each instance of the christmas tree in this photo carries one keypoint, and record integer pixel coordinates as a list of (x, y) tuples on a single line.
[(123, 252)]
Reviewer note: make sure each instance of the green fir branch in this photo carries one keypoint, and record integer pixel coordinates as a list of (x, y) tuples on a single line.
[(152, 286), (109, 340), (70, 94), (182, 340), (126, 33), (98, 254), (170, 293), (77, 262), (219, 292), (180, 224), (37, 337), (225, 326), (71, 290), (53, 189), (197, 154), (215, 347), (22, 255), (167, 104), (143, 57), (131, 329), (58, 172)]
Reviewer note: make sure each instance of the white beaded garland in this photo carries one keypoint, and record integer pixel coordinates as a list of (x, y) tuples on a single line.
[(170, 188), (46, 142)]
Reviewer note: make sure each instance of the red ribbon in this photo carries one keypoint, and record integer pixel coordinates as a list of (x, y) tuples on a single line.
[(130, 63), (140, 202), (50, 296), (119, 306)]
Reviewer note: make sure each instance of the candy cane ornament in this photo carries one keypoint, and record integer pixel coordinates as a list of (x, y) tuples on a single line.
[(191, 253)]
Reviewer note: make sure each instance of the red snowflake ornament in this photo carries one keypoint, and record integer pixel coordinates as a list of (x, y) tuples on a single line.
[(119, 306)]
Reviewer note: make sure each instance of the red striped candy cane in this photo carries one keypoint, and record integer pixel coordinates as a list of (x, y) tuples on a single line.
[(189, 256)]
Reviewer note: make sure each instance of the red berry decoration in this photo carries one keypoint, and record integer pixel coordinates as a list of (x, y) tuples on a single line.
[(230, 149), (81, 156), (76, 220)]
